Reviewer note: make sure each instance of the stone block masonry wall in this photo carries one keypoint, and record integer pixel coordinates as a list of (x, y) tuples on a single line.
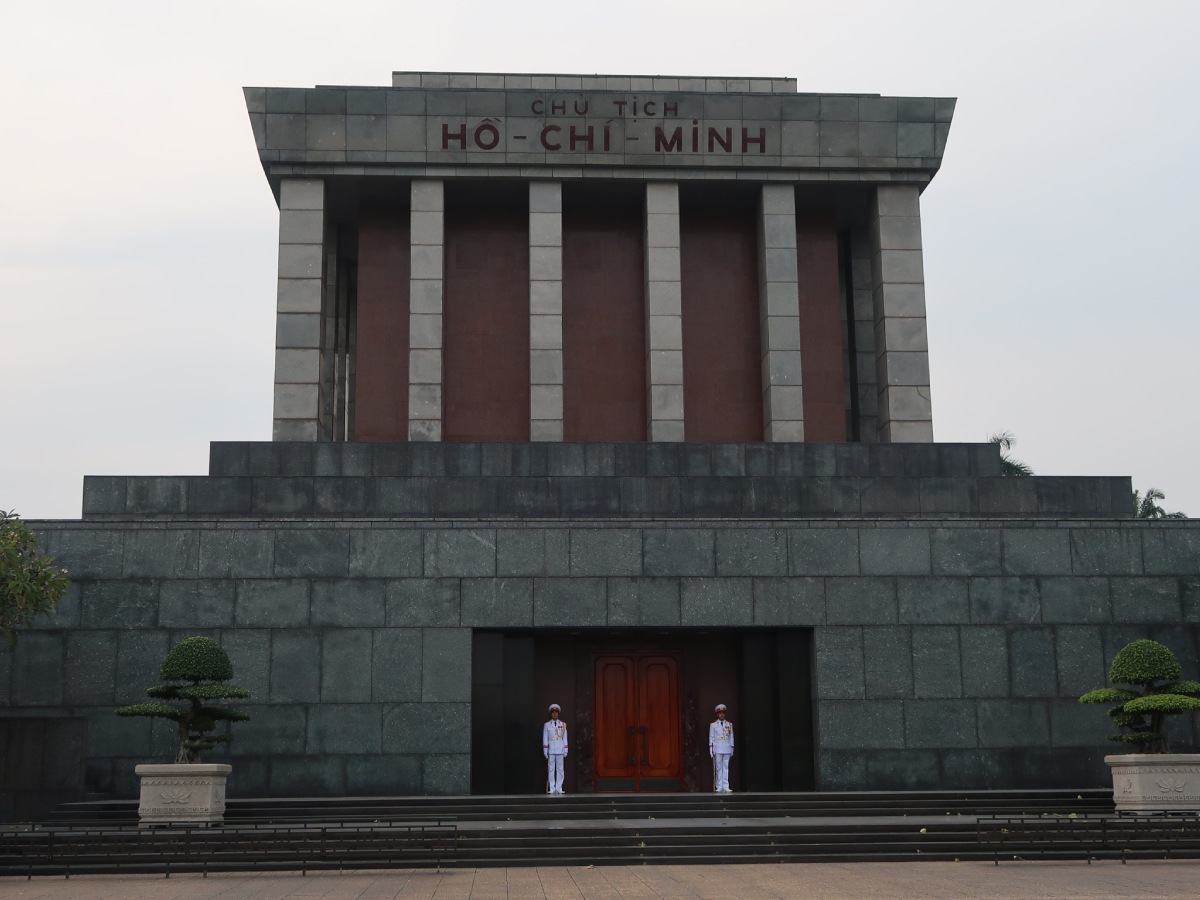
[(663, 496), (818, 137), (948, 654), (863, 306), (545, 311), (299, 325), (779, 315), (624, 480), (664, 314), (901, 338), (426, 294), (596, 458)]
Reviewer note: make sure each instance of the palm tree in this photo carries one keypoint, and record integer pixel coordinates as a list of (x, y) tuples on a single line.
[(1147, 507), (1008, 465)]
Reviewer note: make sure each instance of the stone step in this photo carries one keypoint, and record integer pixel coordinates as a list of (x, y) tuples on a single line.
[(574, 829), (552, 459), (913, 835), (582, 807), (520, 498)]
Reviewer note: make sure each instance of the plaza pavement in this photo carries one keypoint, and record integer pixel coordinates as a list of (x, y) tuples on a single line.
[(767, 881)]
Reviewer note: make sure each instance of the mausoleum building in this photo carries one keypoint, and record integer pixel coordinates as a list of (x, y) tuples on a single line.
[(609, 391)]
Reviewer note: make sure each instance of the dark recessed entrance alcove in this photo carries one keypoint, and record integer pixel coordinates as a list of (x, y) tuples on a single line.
[(638, 703)]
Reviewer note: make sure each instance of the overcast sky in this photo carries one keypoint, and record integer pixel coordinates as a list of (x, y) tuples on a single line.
[(138, 234)]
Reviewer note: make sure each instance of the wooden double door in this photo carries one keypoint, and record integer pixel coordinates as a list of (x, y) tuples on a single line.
[(638, 732)]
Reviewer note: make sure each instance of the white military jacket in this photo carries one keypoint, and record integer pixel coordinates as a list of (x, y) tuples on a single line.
[(720, 737), (554, 737)]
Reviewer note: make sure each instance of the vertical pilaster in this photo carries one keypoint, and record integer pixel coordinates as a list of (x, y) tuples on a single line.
[(329, 323), (426, 290), (863, 306), (297, 404), (779, 315), (545, 311), (341, 356), (901, 339), (664, 314)]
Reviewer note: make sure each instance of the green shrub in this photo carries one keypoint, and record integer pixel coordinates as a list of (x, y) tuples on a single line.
[(197, 659), (1142, 715), (1144, 662), (30, 583), (204, 667)]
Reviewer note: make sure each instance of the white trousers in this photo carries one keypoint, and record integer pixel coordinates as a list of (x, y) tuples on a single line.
[(554, 772), (721, 771)]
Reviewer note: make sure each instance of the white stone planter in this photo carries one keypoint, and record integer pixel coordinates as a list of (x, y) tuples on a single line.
[(1153, 782), (179, 794)]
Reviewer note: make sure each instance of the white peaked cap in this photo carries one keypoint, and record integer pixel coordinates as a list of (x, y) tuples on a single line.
[(554, 706), (721, 706)]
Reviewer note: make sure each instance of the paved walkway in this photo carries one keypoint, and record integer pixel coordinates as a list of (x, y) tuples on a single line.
[(827, 881)]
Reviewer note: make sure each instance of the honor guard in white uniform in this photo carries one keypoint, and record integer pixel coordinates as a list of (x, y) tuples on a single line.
[(554, 748), (720, 748)]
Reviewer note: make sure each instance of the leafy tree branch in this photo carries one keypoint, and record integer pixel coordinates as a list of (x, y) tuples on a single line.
[(30, 583)]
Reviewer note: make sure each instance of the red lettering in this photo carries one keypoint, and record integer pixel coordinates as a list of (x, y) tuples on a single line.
[(607, 136), (695, 136), (581, 138), (460, 136), (489, 131), (545, 142), (581, 110), (558, 107), (714, 138), (670, 109), (761, 140), (648, 107), (620, 105), (538, 107), (662, 142)]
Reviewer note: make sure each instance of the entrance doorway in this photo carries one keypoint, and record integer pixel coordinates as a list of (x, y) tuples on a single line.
[(663, 685), (638, 741)]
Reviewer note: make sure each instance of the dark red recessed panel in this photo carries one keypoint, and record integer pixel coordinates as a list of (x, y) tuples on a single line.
[(821, 329), (381, 360), (604, 327), (486, 323), (721, 364)]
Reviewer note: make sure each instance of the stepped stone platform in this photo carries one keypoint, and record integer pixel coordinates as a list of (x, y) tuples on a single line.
[(532, 480), (311, 833)]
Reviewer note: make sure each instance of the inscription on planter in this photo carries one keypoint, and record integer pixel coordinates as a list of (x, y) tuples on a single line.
[(190, 796)]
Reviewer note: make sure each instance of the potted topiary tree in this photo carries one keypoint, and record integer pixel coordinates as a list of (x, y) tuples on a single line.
[(1152, 777), (194, 674)]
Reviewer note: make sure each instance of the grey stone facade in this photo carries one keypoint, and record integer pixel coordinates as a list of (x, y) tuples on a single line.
[(401, 125), (425, 324), (932, 623), (948, 646)]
